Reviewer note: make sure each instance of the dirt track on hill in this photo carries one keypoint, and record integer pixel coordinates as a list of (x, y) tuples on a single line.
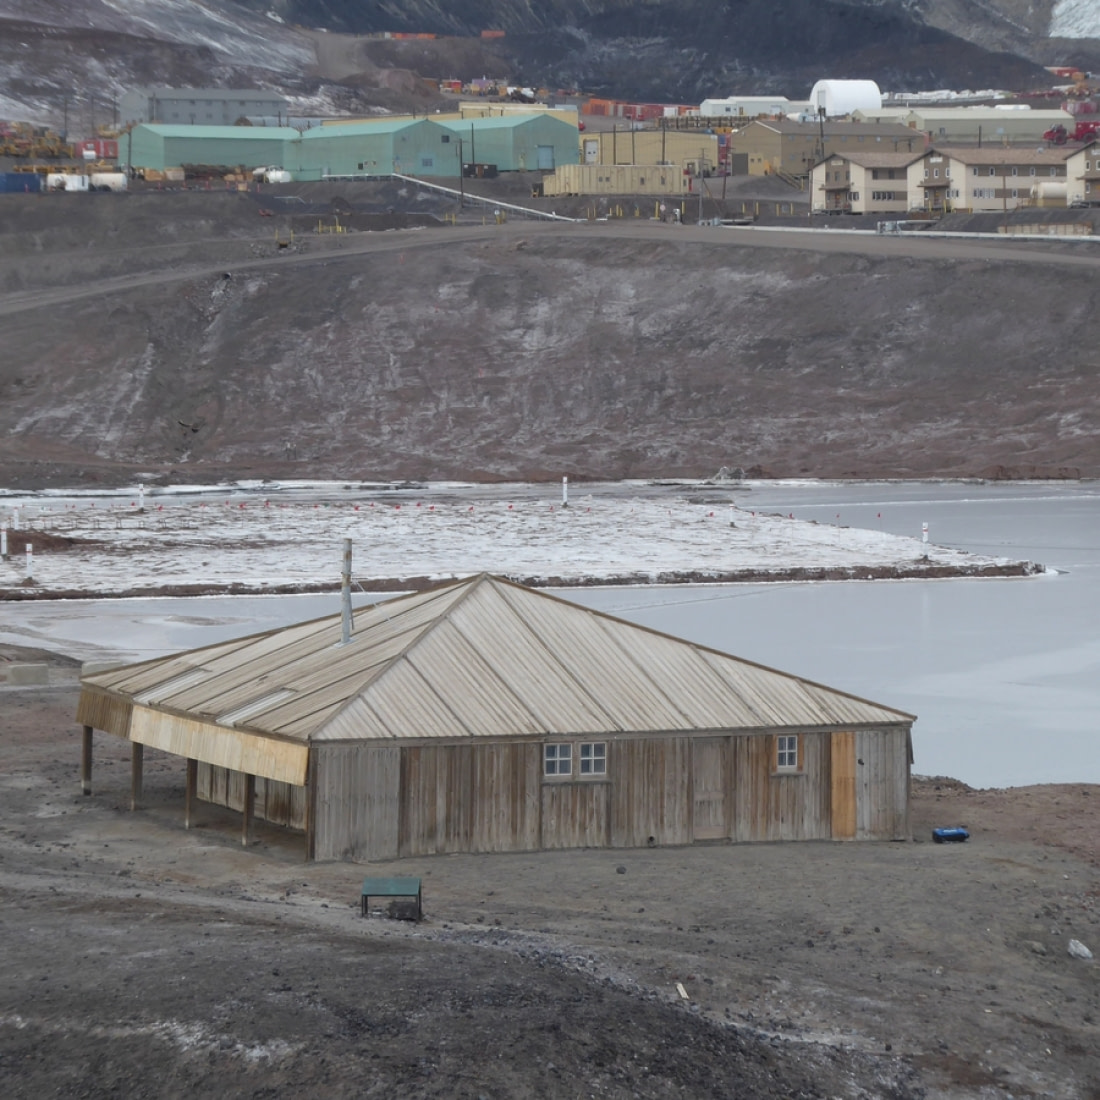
[(149, 961), (169, 334)]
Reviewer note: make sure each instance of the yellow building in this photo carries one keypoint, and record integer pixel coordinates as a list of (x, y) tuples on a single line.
[(694, 152)]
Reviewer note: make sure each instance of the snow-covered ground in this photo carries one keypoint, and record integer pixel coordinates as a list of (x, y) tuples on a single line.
[(1075, 19), (610, 533)]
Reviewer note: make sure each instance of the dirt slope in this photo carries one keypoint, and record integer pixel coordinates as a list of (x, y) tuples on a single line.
[(166, 333)]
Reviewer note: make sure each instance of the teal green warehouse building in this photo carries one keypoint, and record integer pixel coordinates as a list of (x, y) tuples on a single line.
[(517, 143), (168, 145), (413, 147), (409, 146)]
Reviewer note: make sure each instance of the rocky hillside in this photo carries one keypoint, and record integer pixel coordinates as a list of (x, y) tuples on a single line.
[(166, 333)]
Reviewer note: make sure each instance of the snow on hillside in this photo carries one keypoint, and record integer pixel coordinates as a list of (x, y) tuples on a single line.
[(1075, 19), (438, 532)]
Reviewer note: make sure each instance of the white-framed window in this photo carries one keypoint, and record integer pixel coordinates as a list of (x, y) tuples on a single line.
[(947, 173), (1015, 193), (786, 752), (584, 760), (1054, 171), (977, 171), (1031, 171), (557, 759), (992, 171), (594, 758)]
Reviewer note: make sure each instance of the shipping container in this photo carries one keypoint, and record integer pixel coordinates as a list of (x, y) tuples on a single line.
[(12, 183), (99, 148)]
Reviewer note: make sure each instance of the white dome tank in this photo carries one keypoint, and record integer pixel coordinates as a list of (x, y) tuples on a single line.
[(842, 97)]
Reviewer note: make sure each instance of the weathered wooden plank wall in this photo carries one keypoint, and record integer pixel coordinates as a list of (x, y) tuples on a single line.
[(357, 798), (436, 803), (711, 765), (882, 785), (104, 712), (507, 782), (651, 791), (771, 805), (842, 763), (576, 815), (381, 802)]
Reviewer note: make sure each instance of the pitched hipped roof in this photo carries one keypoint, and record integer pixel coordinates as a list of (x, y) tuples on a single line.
[(481, 657), (872, 158)]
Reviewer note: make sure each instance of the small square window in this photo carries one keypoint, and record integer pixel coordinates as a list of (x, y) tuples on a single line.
[(594, 758), (786, 752), (557, 759)]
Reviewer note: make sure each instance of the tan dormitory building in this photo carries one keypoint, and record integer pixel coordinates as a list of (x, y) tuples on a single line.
[(945, 179), (1083, 176), (786, 148), (866, 181), (992, 179)]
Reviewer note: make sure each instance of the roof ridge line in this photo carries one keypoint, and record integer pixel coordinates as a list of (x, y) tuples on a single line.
[(428, 627)]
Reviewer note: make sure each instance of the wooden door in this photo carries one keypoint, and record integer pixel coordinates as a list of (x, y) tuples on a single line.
[(710, 819)]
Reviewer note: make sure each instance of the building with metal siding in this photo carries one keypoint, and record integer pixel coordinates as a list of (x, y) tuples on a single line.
[(168, 146), (415, 147), (484, 716), (198, 106), (517, 143)]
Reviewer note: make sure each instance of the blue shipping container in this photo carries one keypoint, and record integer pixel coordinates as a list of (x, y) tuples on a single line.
[(19, 182)]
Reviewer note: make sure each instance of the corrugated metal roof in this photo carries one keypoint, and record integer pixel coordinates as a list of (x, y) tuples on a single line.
[(363, 127), (482, 657), (498, 122), (200, 132)]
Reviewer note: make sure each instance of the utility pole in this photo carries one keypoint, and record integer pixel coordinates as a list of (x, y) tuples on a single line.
[(702, 155), (461, 177)]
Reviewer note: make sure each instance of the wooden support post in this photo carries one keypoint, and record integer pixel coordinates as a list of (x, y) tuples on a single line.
[(86, 761), (137, 757), (249, 800), (189, 796)]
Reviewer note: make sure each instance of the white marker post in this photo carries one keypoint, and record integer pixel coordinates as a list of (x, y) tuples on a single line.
[(4, 541), (15, 518), (30, 562), (141, 497), (565, 492), (924, 533)]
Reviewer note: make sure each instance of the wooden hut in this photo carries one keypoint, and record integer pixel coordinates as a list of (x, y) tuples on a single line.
[(484, 716)]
